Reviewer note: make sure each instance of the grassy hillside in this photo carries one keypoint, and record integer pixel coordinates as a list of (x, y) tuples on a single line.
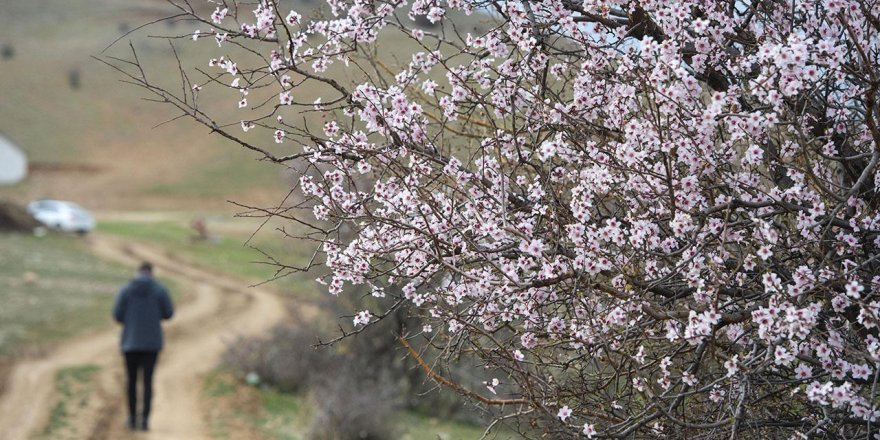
[(91, 137)]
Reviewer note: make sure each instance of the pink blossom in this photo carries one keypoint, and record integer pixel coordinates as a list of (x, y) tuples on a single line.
[(731, 365), (534, 247), (219, 14), (435, 14), (589, 430), (861, 371), (564, 413), (491, 385), (362, 318), (764, 252), (292, 18), (854, 289), (803, 371), (285, 99), (528, 340), (782, 356), (684, 191)]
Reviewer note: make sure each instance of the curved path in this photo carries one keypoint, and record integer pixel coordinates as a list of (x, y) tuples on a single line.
[(215, 309)]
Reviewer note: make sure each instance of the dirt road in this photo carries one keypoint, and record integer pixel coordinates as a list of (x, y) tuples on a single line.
[(215, 309)]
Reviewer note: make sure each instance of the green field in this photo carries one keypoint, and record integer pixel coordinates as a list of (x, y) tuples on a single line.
[(234, 253), (52, 288)]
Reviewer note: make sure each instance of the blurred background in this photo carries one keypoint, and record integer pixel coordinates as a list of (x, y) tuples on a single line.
[(135, 187), (90, 137)]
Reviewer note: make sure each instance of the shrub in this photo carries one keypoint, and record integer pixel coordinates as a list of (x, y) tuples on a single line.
[(7, 52), (73, 79), (15, 218), (352, 403), (285, 359), (353, 394)]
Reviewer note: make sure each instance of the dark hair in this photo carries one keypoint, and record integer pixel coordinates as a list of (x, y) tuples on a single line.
[(146, 266)]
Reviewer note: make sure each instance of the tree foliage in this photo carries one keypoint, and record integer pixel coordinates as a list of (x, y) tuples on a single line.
[(646, 218)]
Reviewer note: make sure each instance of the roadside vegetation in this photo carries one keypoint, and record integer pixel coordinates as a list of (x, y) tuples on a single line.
[(271, 414), (73, 390)]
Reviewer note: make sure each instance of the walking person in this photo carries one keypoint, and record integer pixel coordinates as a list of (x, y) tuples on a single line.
[(140, 307)]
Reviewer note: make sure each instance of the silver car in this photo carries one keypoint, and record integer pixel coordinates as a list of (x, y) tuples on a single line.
[(61, 215)]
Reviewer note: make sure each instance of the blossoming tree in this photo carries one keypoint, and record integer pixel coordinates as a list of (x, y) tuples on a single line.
[(645, 218)]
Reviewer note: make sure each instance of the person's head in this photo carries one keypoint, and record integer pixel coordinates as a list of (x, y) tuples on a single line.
[(145, 269)]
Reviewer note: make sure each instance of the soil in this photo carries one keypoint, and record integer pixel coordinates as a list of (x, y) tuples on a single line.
[(214, 310)]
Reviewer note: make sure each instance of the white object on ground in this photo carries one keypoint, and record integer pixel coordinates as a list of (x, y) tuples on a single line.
[(13, 162)]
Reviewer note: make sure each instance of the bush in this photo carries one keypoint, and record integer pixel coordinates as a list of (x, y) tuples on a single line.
[(7, 51), (15, 218), (354, 385), (352, 403), (285, 359), (353, 395), (73, 79)]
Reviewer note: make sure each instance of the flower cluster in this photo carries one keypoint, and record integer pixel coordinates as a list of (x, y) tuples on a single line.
[(648, 218)]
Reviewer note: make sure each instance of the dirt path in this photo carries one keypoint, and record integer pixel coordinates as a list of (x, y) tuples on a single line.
[(215, 309)]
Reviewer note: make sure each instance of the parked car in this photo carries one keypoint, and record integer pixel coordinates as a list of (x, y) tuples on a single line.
[(61, 215)]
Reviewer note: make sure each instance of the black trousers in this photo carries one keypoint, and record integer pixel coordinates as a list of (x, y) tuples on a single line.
[(145, 362)]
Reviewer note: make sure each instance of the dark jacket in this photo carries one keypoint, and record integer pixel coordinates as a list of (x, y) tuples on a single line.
[(140, 306)]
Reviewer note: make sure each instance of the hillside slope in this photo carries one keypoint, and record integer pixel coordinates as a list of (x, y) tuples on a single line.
[(90, 137)]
